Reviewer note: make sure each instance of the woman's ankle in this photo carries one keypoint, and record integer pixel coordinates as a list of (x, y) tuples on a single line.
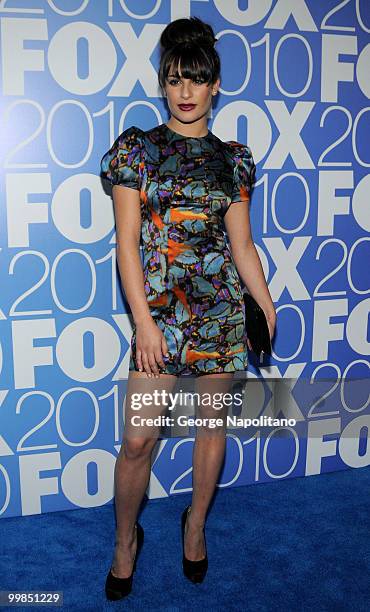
[(127, 539), (195, 522)]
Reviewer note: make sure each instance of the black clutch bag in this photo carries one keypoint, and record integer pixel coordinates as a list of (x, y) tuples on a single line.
[(256, 326)]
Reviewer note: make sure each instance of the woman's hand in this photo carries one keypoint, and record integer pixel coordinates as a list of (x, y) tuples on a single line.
[(151, 345)]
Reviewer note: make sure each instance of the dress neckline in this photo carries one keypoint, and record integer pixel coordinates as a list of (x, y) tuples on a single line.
[(171, 131)]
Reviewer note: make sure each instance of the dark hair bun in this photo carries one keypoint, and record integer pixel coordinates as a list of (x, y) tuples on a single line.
[(187, 31)]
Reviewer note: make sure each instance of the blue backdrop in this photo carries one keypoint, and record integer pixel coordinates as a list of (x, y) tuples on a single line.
[(75, 73)]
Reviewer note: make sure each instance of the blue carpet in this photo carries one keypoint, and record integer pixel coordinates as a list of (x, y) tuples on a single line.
[(295, 545)]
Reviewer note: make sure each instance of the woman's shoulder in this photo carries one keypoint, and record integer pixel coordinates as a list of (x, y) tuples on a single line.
[(143, 139), (238, 150), (132, 135), (120, 164), (241, 157)]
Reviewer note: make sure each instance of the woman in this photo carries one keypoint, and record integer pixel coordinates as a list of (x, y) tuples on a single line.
[(172, 187)]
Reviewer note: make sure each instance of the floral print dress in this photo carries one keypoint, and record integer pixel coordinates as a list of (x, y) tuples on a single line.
[(186, 185)]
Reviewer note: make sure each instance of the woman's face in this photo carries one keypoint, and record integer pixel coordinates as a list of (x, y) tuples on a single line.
[(188, 100)]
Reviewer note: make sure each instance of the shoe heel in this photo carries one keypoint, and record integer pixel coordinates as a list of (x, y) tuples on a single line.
[(140, 542)]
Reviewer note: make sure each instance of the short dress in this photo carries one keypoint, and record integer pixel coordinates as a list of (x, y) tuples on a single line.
[(186, 185)]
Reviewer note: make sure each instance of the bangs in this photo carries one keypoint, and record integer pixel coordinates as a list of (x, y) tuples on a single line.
[(193, 61)]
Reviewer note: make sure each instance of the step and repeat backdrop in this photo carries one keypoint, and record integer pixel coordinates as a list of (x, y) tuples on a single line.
[(295, 87)]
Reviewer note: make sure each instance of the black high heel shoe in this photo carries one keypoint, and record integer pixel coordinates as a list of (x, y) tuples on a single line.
[(117, 588), (193, 570)]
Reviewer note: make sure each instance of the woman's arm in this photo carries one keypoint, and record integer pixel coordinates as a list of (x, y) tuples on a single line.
[(128, 229), (150, 341), (247, 261)]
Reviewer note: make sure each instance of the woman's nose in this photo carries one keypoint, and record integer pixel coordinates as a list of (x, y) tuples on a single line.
[(186, 91)]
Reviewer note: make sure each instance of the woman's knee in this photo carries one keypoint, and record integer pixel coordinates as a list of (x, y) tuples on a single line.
[(136, 448)]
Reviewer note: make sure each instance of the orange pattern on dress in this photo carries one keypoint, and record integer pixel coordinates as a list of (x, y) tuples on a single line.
[(181, 296), (192, 355), (157, 220), (244, 194), (174, 249), (182, 215), (160, 300)]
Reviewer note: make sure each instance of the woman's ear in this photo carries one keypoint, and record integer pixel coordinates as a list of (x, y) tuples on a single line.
[(215, 87)]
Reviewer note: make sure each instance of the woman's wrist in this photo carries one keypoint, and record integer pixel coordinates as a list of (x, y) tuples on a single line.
[(270, 313), (143, 319)]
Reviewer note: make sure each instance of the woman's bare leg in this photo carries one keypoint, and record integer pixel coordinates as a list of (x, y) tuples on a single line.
[(132, 469), (208, 457)]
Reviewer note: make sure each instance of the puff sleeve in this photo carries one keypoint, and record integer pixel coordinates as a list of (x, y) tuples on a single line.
[(244, 172), (122, 164)]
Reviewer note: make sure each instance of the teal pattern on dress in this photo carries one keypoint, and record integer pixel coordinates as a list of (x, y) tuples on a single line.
[(193, 290)]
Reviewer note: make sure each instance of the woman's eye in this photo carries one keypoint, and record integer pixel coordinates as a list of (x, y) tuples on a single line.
[(173, 82)]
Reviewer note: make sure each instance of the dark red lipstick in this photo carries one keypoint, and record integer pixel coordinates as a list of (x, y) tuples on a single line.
[(186, 107)]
